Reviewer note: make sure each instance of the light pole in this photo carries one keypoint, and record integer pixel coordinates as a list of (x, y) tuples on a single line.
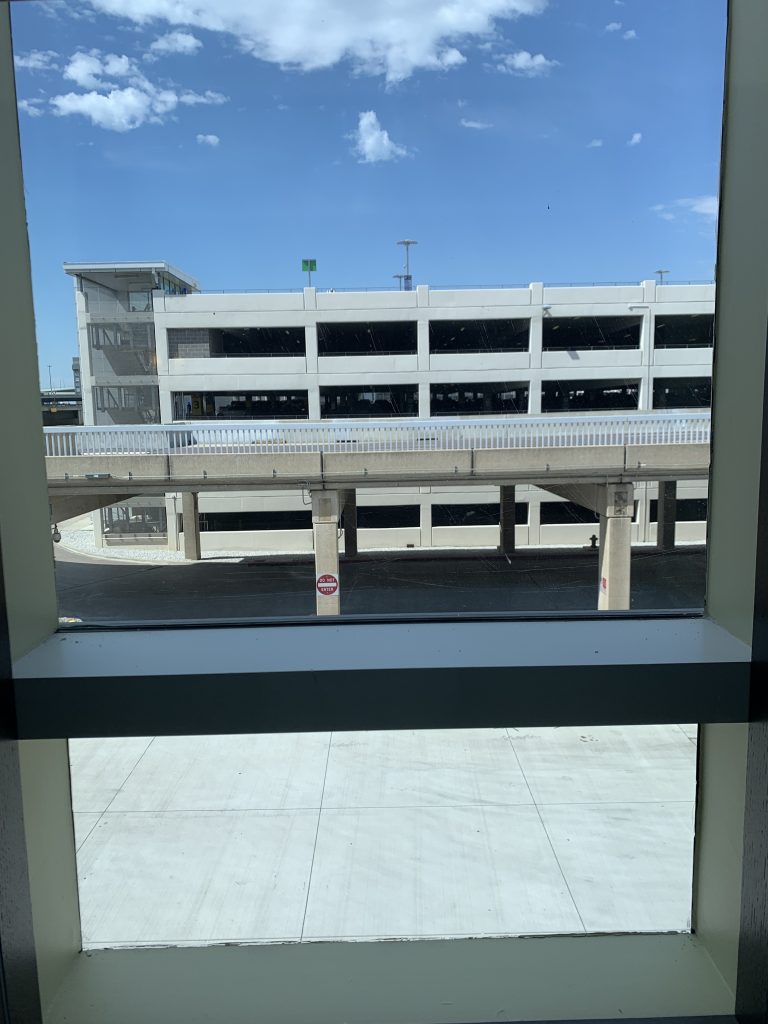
[(407, 280), (661, 274), (50, 382)]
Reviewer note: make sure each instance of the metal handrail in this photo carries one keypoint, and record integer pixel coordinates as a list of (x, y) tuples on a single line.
[(443, 434)]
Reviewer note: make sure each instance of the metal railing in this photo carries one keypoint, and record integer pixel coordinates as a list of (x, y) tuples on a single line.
[(242, 438)]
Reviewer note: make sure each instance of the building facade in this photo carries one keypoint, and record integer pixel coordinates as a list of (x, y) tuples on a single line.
[(155, 349)]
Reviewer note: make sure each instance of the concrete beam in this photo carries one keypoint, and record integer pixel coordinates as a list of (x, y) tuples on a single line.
[(688, 458), (393, 465), (325, 525), (591, 496), (244, 468), (502, 461), (65, 507), (190, 525)]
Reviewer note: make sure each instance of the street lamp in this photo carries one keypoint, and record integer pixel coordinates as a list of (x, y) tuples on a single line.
[(661, 274), (407, 280)]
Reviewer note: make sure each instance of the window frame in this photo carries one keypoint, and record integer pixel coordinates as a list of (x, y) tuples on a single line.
[(586, 977)]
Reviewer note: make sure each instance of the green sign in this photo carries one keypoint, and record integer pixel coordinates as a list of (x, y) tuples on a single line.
[(307, 265)]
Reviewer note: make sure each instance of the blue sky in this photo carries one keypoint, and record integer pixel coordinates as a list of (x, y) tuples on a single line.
[(516, 140)]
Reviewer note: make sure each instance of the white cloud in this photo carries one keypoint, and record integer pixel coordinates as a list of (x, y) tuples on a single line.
[(59, 8), (613, 26), (91, 70), (630, 34), (119, 110), (193, 99), (526, 64), (636, 139), (119, 95), (703, 206), (372, 142), (595, 144), (208, 140), (36, 60), (30, 107), (479, 125), (176, 42), (393, 38)]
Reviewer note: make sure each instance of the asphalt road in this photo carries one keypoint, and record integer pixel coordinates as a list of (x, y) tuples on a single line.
[(102, 592)]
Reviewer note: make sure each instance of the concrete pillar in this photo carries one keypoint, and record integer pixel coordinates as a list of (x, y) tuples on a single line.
[(424, 400), (190, 524), (615, 548), (172, 519), (350, 523), (666, 515), (325, 524), (507, 520), (422, 344), (311, 353)]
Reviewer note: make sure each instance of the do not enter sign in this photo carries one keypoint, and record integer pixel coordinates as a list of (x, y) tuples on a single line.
[(327, 584)]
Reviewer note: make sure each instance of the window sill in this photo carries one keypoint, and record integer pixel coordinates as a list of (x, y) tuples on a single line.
[(343, 676)]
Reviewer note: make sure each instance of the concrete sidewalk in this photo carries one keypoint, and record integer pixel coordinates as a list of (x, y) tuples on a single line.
[(295, 838)]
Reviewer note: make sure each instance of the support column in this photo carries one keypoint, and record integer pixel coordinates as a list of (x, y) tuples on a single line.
[(666, 515), (350, 523), (325, 524), (172, 520), (190, 524), (507, 519), (424, 401), (615, 548)]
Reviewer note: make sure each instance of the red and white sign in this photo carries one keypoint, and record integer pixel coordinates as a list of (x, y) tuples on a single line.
[(327, 584)]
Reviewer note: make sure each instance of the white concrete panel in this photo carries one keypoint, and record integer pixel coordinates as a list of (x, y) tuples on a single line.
[(685, 293), (195, 877), (628, 866), (423, 768), (478, 298), (436, 871), (469, 536), (387, 539), (267, 317), (352, 366), (454, 362), (577, 359), (100, 767), (606, 764), (592, 296), (219, 378), (264, 541), (213, 302), (237, 368), (85, 822), (264, 772), (371, 302), (697, 360)]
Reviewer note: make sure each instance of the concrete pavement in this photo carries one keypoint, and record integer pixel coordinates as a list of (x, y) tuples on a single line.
[(380, 583)]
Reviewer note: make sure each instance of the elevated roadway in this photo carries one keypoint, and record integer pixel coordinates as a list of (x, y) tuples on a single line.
[(593, 459)]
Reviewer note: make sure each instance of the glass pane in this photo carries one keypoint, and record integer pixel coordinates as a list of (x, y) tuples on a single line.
[(431, 328), (380, 835)]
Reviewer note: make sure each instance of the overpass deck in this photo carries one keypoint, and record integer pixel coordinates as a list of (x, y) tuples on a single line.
[(364, 453)]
